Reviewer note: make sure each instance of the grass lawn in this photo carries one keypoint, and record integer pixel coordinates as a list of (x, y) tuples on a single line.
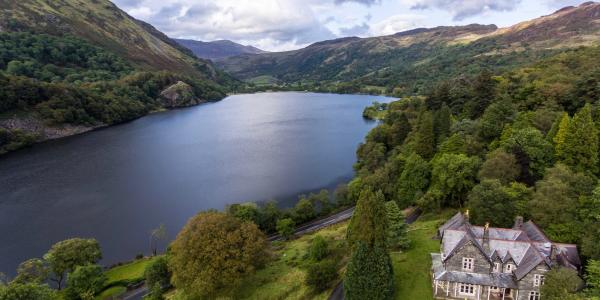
[(283, 277), (412, 268), (120, 275)]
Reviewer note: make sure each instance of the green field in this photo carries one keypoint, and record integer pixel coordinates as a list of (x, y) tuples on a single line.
[(412, 268), (119, 277)]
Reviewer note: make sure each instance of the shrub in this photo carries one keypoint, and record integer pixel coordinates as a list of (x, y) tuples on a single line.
[(318, 248), (320, 275)]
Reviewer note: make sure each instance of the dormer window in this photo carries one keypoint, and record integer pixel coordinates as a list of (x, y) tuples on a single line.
[(509, 268), (467, 264), (538, 280), (497, 267)]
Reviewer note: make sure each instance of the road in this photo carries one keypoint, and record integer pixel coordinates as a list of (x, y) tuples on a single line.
[(338, 292), (341, 216), (318, 224)]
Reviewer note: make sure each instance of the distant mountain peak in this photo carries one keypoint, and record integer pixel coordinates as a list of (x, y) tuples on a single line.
[(218, 49)]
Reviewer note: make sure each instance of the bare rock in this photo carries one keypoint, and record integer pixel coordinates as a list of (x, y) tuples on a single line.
[(178, 95)]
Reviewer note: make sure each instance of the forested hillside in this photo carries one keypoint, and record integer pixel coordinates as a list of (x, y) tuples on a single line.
[(409, 63), (521, 144), (69, 66)]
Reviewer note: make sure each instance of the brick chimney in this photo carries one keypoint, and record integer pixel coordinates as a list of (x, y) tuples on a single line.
[(486, 239), (518, 223)]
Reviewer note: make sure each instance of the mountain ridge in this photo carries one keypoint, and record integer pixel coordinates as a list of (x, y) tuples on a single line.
[(423, 52), (218, 49)]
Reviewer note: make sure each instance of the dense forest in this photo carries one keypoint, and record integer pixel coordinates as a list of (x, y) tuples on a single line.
[(524, 143), (66, 80)]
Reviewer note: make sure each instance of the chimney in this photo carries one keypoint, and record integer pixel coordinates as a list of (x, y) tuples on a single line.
[(486, 239), (466, 215), (518, 223), (554, 254)]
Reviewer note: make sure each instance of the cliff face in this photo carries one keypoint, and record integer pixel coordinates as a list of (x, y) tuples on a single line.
[(179, 94)]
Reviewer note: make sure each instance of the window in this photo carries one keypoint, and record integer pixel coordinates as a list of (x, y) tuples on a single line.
[(467, 264), (538, 280), (495, 289), (467, 289), (534, 295), (497, 267), (509, 268)]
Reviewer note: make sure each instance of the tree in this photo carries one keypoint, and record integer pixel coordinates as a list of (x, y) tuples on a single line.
[(85, 282), (156, 235), (555, 203), (561, 133), (304, 211), (369, 274), (413, 180), (532, 151), (593, 276), (32, 270), (369, 221), (454, 175), (158, 273), (490, 202), (397, 228), (425, 137), (494, 118), (399, 128), (580, 147), (213, 252), (484, 92), (501, 166), (589, 216), (560, 284), (64, 256), (269, 214), (27, 291), (319, 249), (442, 123), (320, 275), (285, 228)]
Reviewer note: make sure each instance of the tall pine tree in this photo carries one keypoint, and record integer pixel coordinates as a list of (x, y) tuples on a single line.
[(442, 123), (369, 274), (580, 146), (425, 138), (561, 133), (397, 230), (368, 223)]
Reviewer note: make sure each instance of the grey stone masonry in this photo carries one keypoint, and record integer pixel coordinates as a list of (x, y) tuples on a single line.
[(495, 263)]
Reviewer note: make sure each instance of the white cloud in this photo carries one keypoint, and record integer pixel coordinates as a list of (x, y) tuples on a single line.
[(397, 23), (461, 9)]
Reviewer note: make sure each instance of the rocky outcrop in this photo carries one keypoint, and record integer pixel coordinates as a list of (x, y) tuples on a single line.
[(179, 94), (32, 125)]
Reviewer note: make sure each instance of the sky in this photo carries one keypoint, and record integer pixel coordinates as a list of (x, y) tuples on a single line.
[(280, 25)]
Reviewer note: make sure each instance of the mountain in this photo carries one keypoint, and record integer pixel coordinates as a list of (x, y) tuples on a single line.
[(216, 50), (103, 24), (409, 62), (69, 66)]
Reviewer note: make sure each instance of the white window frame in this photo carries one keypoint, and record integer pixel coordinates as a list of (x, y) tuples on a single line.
[(533, 295), (538, 280), (509, 268), (466, 289), (468, 264), (497, 267)]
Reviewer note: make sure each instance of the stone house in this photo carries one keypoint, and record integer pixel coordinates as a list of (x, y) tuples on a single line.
[(486, 263)]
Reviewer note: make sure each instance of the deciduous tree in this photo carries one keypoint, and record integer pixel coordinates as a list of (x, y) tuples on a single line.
[(213, 252), (63, 257), (85, 282)]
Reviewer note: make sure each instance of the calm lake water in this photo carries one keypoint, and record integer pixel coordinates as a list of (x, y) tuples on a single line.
[(118, 183)]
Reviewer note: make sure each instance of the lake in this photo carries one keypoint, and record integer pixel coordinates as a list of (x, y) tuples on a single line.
[(117, 184)]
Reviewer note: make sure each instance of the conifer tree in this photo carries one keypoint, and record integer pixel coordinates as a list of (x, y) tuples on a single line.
[(425, 138), (369, 221), (580, 146), (442, 123), (397, 229), (559, 137), (369, 274)]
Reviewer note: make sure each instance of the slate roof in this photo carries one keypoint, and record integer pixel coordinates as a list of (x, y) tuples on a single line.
[(527, 246), (492, 279)]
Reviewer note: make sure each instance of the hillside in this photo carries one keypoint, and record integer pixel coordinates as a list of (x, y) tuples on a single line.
[(103, 24), (408, 62), (69, 66), (217, 50)]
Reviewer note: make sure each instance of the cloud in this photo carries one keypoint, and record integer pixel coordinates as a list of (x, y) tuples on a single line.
[(273, 24), (356, 30), (364, 2), (462, 9), (397, 23)]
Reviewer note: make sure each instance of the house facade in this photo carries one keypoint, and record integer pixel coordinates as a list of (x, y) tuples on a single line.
[(486, 263)]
